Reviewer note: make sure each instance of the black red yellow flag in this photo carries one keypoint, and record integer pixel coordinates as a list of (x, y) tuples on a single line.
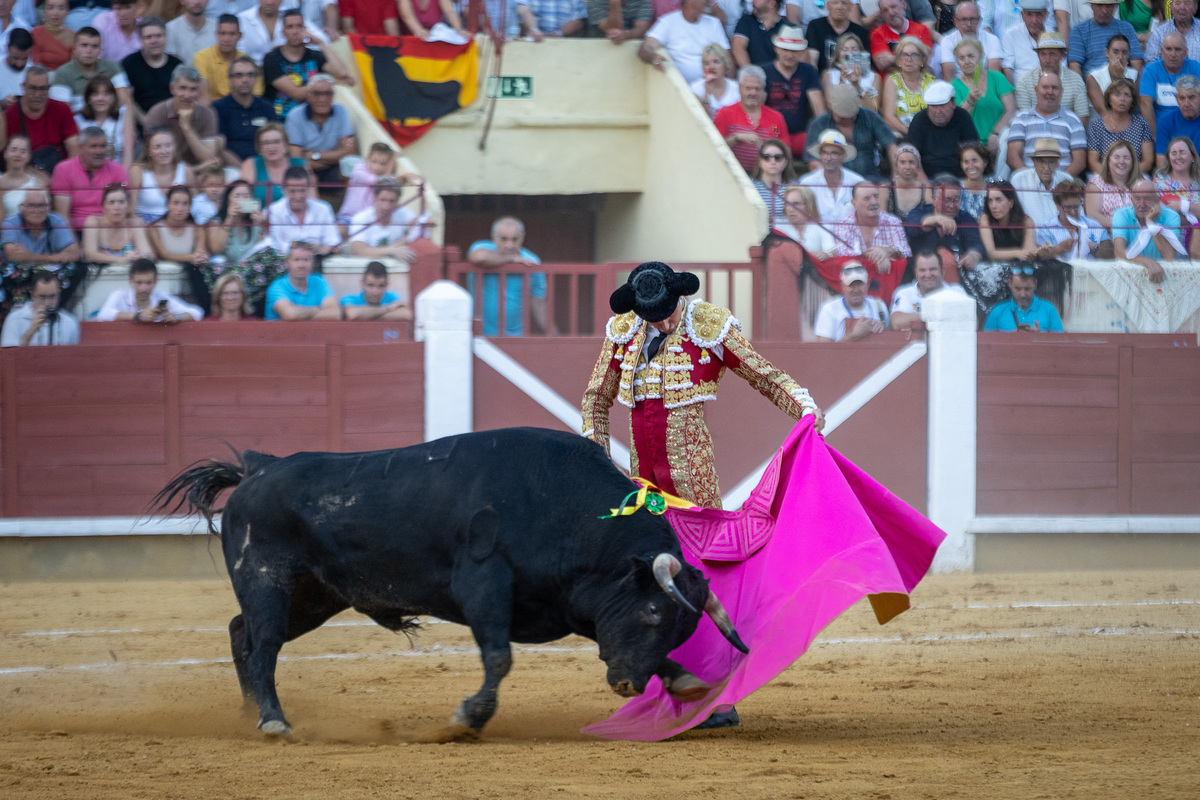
[(409, 83)]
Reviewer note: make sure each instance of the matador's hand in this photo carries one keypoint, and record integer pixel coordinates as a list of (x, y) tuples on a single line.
[(819, 424)]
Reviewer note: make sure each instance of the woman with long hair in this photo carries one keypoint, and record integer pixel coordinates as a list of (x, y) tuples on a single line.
[(974, 159), (161, 166), (101, 110), (909, 188), (53, 41), (233, 235), (802, 223), (230, 302), (19, 176), (868, 82), (773, 172), (1111, 187), (1118, 123), (176, 237), (1178, 182), (1008, 236), (986, 95), (114, 236), (264, 172), (716, 89), (904, 89)]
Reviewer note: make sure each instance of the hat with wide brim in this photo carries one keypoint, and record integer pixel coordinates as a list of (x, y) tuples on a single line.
[(790, 38), (653, 291), (836, 138)]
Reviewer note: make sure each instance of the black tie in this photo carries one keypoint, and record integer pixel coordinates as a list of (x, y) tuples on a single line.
[(652, 348)]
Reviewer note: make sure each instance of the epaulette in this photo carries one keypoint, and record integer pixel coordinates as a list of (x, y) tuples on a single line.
[(621, 328), (708, 325)]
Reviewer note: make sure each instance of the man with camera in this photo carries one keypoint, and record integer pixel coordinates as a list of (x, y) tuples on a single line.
[(40, 321)]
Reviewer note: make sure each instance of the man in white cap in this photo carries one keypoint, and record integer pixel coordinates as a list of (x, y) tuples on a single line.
[(862, 127), (682, 35), (1021, 39), (1183, 22), (1090, 38), (793, 85), (1049, 119), (1035, 186), (854, 316), (893, 25), (966, 25), (1157, 87), (833, 184), (1052, 54), (940, 129), (754, 32)]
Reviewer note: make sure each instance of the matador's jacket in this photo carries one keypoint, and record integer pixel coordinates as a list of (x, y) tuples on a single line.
[(671, 445)]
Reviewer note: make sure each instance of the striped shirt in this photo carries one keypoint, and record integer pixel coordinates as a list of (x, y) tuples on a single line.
[(772, 198), (1089, 41), (1154, 45), (889, 232), (1063, 126), (1074, 90)]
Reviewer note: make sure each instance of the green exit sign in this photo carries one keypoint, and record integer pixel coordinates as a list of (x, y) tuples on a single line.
[(510, 86)]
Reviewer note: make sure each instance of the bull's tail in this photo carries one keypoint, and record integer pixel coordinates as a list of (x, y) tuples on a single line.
[(197, 488)]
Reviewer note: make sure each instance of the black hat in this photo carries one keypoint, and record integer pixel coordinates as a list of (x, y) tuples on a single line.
[(653, 291)]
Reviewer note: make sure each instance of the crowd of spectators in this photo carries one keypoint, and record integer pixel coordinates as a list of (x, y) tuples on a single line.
[(1004, 139), (124, 136)]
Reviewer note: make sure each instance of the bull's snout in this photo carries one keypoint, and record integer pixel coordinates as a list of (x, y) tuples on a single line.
[(626, 688)]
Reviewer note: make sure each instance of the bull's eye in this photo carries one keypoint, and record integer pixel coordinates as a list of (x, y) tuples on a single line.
[(653, 609), (652, 615)]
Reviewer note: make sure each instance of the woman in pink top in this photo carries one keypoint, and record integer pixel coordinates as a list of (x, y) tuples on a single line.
[(1109, 189), (419, 16)]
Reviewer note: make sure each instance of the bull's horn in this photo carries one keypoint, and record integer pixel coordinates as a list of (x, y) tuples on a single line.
[(666, 567), (721, 619)]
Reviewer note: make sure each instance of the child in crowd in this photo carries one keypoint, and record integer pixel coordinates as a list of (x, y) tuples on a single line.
[(375, 301), (142, 302), (381, 161), (207, 202)]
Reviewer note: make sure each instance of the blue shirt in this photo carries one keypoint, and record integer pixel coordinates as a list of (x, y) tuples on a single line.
[(514, 310), (359, 300), (239, 125), (1089, 41), (1005, 316), (1159, 85), (281, 288), (551, 15), (1125, 226), (304, 131), (1172, 124), (53, 237)]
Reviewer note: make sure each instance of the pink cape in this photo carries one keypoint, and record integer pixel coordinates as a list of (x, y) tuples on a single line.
[(815, 536)]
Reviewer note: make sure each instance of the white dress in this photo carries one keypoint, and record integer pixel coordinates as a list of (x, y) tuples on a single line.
[(715, 104), (152, 200)]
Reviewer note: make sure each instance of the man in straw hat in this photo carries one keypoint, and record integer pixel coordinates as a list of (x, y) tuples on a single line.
[(832, 184), (1089, 39), (1052, 57), (664, 358), (793, 85), (1035, 185)]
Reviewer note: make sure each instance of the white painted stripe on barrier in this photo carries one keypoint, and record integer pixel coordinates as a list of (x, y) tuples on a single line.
[(441, 651), (862, 393), (1105, 524), (51, 527), (566, 413)]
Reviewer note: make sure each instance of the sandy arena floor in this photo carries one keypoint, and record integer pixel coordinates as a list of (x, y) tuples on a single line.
[(1046, 686)]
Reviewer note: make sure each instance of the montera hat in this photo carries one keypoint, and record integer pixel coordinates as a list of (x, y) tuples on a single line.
[(653, 291)]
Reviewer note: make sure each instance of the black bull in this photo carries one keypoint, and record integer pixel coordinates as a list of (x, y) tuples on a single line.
[(497, 530)]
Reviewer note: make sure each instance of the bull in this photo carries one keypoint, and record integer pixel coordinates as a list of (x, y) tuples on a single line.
[(497, 530)]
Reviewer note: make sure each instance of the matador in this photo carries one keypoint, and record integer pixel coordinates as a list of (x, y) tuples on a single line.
[(664, 358)]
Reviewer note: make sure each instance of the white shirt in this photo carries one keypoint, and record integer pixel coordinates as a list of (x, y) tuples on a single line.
[(809, 10), (685, 40), (366, 229), (907, 298), (62, 92), (125, 301), (813, 239), (203, 209), (1078, 10), (184, 42), (319, 226), (257, 41), (831, 319), (21, 16), (943, 53), (12, 83), (732, 94), (218, 7), (831, 205), (1019, 55), (65, 329), (1037, 200)]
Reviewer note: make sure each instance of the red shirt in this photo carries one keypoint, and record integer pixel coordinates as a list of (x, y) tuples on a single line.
[(368, 15), (52, 128), (883, 38), (732, 119)]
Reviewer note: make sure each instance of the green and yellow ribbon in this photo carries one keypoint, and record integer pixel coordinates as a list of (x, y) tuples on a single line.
[(650, 497)]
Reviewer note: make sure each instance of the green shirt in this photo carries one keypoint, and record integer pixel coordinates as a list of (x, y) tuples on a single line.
[(990, 108), (1137, 15), (69, 81)]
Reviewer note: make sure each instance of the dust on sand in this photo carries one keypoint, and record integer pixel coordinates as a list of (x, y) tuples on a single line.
[(998, 686)]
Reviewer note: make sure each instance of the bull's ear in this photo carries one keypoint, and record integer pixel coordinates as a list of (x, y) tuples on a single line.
[(641, 574)]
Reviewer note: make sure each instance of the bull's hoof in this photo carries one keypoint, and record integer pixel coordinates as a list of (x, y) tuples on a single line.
[(625, 689), (720, 719), (274, 727)]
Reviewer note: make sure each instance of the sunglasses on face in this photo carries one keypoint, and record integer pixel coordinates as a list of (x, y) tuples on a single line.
[(773, 157)]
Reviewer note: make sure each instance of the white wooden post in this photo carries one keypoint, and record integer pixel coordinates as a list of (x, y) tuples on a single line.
[(951, 322), (443, 322)]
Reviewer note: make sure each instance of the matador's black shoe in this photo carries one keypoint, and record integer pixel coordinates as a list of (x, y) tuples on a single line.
[(720, 719)]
